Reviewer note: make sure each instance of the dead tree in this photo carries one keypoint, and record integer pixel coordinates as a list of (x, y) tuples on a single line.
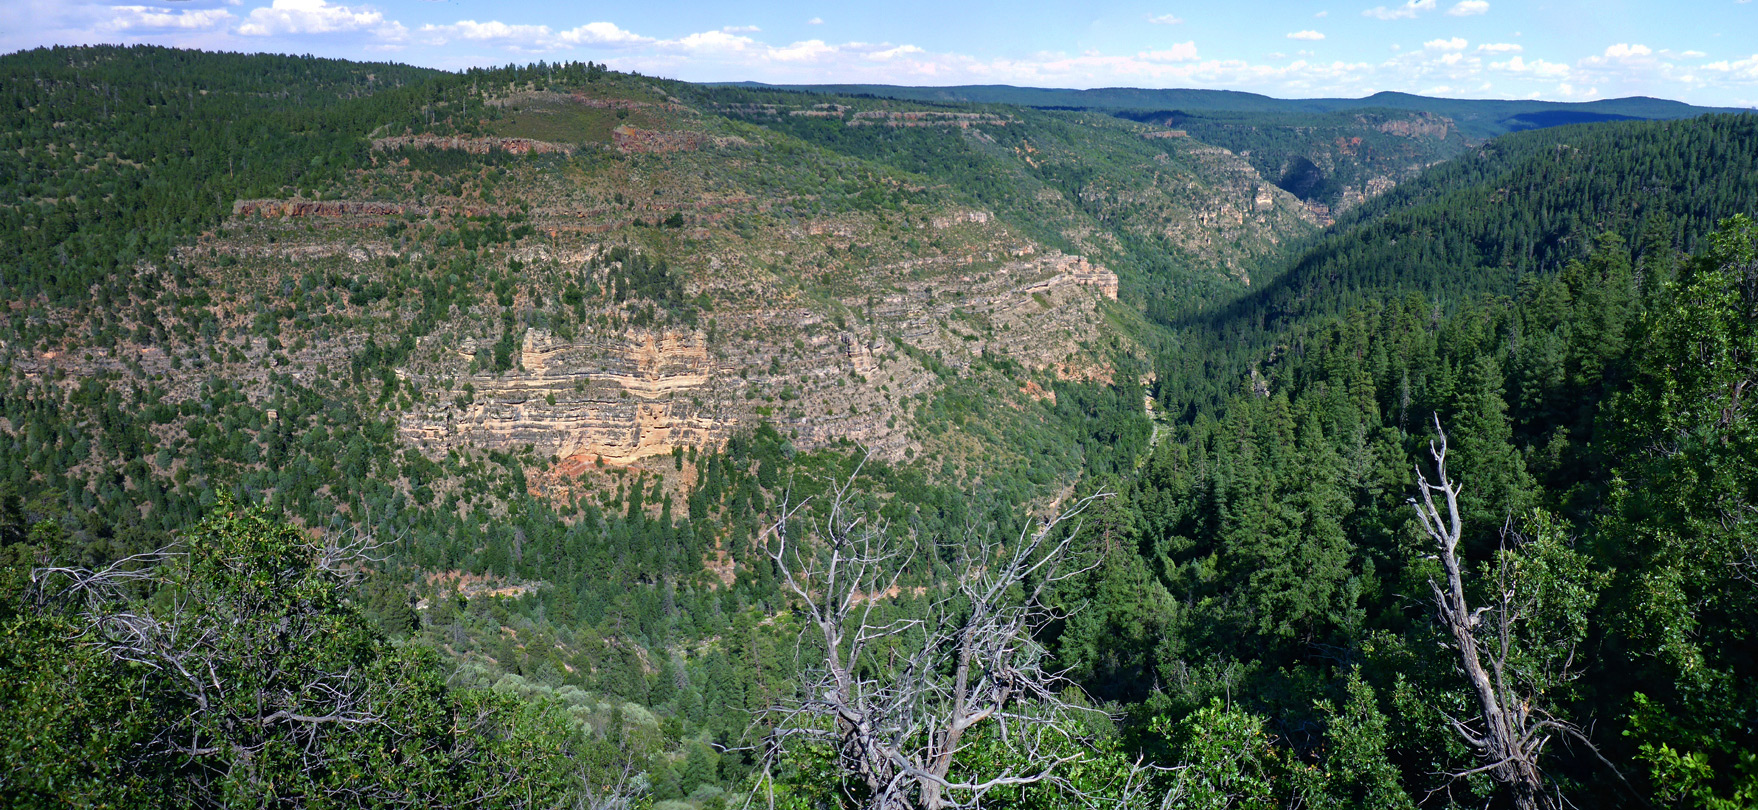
[(969, 665), (1513, 727), (231, 657), (261, 684)]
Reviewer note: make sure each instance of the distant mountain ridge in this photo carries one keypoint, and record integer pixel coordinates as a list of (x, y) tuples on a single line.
[(1476, 118)]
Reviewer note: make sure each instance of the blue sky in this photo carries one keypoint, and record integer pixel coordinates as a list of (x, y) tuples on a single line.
[(1701, 51)]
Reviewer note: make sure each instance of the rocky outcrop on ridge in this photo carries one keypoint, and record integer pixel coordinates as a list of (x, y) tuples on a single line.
[(474, 146)]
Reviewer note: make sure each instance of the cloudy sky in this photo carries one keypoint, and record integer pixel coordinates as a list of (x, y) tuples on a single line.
[(1700, 51)]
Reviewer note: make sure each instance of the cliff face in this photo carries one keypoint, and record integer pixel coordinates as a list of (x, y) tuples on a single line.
[(1362, 167), (318, 208), (615, 398), (1149, 202), (1418, 125), (1331, 162), (356, 212), (632, 394), (1238, 214), (633, 140), (867, 117)]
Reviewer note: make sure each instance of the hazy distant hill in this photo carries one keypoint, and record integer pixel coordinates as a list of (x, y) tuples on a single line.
[(1477, 118)]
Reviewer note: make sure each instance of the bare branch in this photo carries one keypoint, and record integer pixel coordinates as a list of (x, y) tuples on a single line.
[(970, 664), (1511, 730)]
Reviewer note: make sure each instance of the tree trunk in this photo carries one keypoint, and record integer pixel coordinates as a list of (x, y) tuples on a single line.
[(1504, 742)]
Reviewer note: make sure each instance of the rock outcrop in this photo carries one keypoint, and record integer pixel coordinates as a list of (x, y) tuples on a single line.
[(941, 223), (643, 393), (320, 208), (475, 146), (1086, 274), (635, 141), (354, 209), (1419, 125), (616, 399), (924, 118)]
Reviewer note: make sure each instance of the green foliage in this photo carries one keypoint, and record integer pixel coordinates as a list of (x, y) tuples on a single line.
[(119, 154), (1357, 772), (1226, 761), (1556, 589), (71, 718), (1600, 400), (1689, 776), (1680, 533), (1482, 225), (238, 671)]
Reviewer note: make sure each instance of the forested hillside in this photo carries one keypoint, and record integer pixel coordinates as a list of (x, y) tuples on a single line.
[(555, 437), (152, 145), (1331, 161), (1183, 223), (1332, 153), (1484, 224), (1274, 550), (1480, 118)]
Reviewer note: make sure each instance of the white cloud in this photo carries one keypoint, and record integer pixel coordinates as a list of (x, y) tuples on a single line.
[(1441, 65), (1404, 12), (491, 31), (1179, 52), (1165, 19), (807, 51), (740, 29), (1537, 68), (815, 21), (316, 17), (1637, 68), (601, 33), (1467, 8), (893, 53), (1323, 14), (1178, 65), (713, 41), (1567, 90), (531, 38), (720, 46), (1741, 70), (135, 18)]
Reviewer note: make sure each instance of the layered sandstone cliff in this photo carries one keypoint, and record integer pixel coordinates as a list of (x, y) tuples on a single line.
[(617, 398)]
